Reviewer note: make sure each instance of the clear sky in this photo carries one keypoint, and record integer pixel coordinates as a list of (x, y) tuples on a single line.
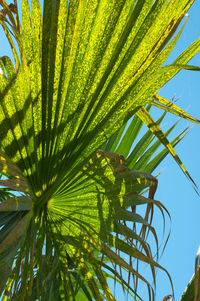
[(174, 190)]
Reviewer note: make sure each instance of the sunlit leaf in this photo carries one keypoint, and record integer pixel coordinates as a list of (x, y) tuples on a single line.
[(81, 69), (192, 291)]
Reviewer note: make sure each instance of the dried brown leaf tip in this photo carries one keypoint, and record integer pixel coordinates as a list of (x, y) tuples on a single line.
[(12, 7)]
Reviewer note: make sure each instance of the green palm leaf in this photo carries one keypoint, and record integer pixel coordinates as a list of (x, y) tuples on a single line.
[(82, 69), (143, 154), (192, 291)]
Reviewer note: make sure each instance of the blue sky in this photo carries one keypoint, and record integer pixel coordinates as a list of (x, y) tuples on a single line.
[(174, 190)]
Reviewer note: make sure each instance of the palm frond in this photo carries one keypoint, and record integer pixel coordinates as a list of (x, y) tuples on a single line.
[(192, 291), (143, 154), (81, 69)]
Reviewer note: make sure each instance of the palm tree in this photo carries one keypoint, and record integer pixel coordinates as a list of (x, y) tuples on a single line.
[(81, 70)]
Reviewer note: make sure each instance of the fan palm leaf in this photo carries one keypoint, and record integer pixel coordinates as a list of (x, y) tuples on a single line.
[(142, 154), (80, 71)]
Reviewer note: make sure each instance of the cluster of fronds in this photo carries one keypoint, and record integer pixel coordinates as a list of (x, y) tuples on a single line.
[(81, 70)]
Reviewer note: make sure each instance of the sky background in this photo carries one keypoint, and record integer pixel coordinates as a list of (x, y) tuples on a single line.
[(174, 190)]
